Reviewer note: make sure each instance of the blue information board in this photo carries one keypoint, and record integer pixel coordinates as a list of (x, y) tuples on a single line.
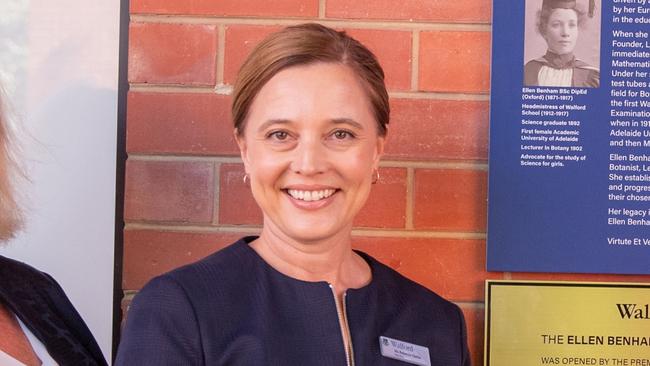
[(569, 164)]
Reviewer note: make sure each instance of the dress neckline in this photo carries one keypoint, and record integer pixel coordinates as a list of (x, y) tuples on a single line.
[(245, 241), (564, 61)]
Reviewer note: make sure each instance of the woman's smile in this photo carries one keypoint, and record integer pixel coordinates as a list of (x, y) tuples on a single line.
[(311, 200), (310, 195)]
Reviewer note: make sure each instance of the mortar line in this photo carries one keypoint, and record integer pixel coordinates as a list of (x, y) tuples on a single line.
[(333, 23), (216, 191), (470, 304), (170, 88), (224, 89), (469, 165), (410, 192), (418, 234), (481, 97), (128, 294), (255, 228), (322, 5), (188, 158), (221, 55), (460, 165), (415, 60)]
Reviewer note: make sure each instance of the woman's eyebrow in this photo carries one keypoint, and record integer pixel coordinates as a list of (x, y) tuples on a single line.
[(348, 121), (271, 122)]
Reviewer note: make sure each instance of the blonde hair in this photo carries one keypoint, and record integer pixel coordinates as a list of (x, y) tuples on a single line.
[(11, 215)]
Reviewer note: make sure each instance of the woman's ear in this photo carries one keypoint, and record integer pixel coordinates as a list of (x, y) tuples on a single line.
[(379, 150), (243, 148)]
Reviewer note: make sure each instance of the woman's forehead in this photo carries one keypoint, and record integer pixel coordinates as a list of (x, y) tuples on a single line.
[(318, 83)]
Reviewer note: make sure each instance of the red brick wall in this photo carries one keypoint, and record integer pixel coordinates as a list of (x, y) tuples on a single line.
[(426, 218)]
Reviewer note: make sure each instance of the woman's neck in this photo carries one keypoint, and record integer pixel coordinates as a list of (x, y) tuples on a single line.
[(331, 260), (565, 60)]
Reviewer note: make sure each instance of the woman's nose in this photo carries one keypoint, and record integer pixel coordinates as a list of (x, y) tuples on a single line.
[(565, 31), (310, 157)]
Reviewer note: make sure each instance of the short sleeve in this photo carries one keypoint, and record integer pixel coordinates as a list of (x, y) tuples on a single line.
[(161, 327)]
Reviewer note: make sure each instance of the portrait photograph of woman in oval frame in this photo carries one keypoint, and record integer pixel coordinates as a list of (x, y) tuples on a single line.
[(566, 33)]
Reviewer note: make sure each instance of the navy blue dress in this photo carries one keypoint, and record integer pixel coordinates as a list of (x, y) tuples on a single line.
[(232, 308)]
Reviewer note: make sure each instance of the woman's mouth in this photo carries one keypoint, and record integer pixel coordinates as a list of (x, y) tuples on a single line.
[(309, 196)]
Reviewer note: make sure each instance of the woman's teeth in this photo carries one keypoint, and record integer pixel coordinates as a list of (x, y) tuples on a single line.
[(310, 195)]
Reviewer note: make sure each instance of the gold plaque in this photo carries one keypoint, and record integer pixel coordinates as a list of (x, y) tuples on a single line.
[(567, 323)]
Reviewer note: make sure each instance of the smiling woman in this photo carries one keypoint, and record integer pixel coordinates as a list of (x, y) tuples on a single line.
[(310, 110)]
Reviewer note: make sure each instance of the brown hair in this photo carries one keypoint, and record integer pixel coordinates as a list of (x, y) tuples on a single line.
[(302, 45), (10, 213), (544, 14)]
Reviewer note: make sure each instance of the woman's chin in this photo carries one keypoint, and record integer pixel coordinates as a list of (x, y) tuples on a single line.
[(562, 50), (306, 236), (309, 229)]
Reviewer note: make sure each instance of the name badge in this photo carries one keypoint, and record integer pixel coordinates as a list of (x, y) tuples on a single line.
[(404, 351)]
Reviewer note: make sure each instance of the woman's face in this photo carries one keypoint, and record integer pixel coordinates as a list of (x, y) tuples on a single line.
[(561, 31), (310, 147)]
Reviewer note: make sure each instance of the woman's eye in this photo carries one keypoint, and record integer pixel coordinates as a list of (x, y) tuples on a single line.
[(278, 135), (342, 134)]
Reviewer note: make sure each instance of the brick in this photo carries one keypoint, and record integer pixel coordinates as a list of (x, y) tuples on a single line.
[(169, 191), (386, 205), (393, 50), (172, 53), (236, 203), (179, 123), (453, 268), (435, 10), (475, 320), (454, 61), (240, 41), (276, 8), (149, 253), (450, 200), (424, 129)]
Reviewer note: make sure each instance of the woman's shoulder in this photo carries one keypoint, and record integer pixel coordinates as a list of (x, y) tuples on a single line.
[(579, 64), (21, 275), (22, 284), (536, 62), (583, 65), (586, 75)]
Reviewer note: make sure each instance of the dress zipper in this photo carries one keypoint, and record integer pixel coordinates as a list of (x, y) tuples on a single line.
[(345, 328)]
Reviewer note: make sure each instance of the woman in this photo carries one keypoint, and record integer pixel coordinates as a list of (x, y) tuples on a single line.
[(558, 22), (38, 324), (311, 111)]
